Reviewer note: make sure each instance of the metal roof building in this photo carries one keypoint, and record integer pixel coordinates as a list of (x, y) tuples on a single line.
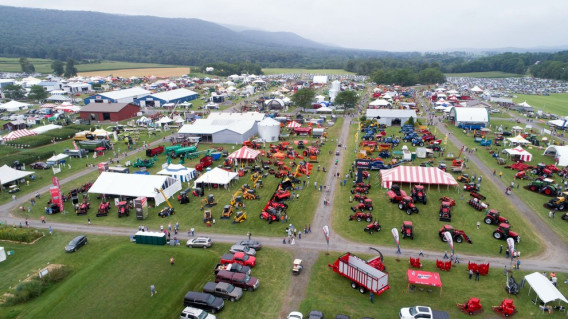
[(109, 111), (119, 96), (390, 117), (165, 97), (223, 128)]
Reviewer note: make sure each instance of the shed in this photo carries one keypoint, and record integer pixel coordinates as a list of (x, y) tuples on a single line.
[(118, 96), (467, 116), (173, 96), (391, 117), (109, 111)]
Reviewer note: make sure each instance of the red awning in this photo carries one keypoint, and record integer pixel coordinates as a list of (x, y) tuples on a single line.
[(426, 278), (302, 129), (293, 124), (244, 153), (17, 134)]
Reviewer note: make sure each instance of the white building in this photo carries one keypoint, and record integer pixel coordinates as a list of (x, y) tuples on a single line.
[(391, 117)]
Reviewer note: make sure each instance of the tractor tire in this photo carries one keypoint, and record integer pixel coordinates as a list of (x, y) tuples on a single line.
[(443, 238), (565, 216), (368, 219), (232, 299), (378, 228), (358, 219), (459, 239), (366, 191), (362, 290), (534, 171), (424, 201), (370, 208), (561, 207), (400, 206), (260, 216), (409, 211), (497, 235), (488, 220), (547, 191), (421, 144), (354, 285), (370, 231), (533, 188), (470, 313)]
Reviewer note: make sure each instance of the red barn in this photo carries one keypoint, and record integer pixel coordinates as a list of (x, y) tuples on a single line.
[(109, 111)]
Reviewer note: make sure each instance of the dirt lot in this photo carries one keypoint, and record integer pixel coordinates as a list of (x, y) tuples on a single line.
[(159, 72)]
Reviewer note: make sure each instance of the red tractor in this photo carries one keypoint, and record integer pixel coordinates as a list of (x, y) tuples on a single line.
[(477, 204), (281, 207), (270, 214), (361, 184), (104, 207), (493, 217), (396, 194), (84, 207), (407, 230), (359, 216), (359, 198), (445, 212), (419, 194), (458, 235), (360, 190), (407, 204), (373, 227), (123, 209), (448, 199), (367, 204), (504, 231), (543, 170)]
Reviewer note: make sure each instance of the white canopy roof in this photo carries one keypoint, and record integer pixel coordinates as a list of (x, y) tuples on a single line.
[(57, 158), (216, 176), (518, 140), (519, 151), (8, 174), (45, 128), (14, 106), (379, 102), (135, 185), (476, 89), (560, 154), (544, 288), (143, 119), (324, 109), (164, 120), (178, 171)]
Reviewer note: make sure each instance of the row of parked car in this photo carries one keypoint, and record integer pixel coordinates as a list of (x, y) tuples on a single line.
[(232, 276)]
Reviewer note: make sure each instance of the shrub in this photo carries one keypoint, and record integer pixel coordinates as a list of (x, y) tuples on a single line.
[(29, 290), (26, 235), (56, 275)]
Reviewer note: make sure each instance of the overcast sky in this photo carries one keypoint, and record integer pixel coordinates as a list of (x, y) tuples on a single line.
[(403, 25)]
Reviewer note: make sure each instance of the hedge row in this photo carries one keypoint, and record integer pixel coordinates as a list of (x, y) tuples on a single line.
[(62, 134), (31, 141), (25, 235), (29, 290), (25, 157)]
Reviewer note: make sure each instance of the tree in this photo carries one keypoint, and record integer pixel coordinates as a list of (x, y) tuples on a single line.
[(347, 98), (27, 66), (37, 93), (14, 92), (57, 67), (70, 69), (304, 97)]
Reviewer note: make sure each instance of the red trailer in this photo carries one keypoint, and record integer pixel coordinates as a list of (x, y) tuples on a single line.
[(364, 275)]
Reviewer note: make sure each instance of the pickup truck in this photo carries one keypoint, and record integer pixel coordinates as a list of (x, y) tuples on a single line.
[(223, 290), (240, 280), (239, 258), (233, 268), (422, 312)]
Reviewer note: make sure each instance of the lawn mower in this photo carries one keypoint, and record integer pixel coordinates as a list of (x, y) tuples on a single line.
[(407, 204), (471, 307), (396, 194), (123, 209), (83, 207), (407, 230), (207, 217), (166, 212), (373, 227)]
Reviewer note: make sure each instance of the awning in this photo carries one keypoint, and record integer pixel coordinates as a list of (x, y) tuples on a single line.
[(244, 153), (416, 175), (8, 174), (544, 288), (424, 278), (17, 134), (217, 176)]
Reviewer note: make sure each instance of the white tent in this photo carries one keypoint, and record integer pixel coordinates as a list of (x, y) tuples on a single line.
[(476, 89), (45, 128), (379, 102), (164, 120), (8, 174), (518, 140), (523, 154), (2, 254), (55, 159), (560, 154), (143, 120), (178, 171), (13, 106), (217, 176), (324, 109), (135, 185), (544, 288)]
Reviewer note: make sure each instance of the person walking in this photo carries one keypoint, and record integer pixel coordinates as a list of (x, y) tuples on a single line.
[(152, 290), (478, 224), (518, 264), (42, 219), (192, 231), (27, 223), (249, 234), (421, 253), (500, 174), (88, 221), (371, 296), (172, 261), (505, 270), (477, 275), (470, 273), (50, 230), (446, 255)]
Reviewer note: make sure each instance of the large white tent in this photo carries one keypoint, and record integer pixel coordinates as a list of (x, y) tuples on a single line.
[(379, 102), (136, 185), (560, 154), (544, 289), (217, 176), (178, 171), (518, 140), (8, 174), (522, 154), (13, 106)]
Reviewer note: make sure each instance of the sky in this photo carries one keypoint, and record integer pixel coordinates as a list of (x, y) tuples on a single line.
[(403, 25)]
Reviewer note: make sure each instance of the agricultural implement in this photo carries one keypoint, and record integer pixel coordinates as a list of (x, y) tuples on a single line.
[(471, 307)]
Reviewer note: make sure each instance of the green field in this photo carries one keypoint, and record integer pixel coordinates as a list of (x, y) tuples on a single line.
[(44, 65), (492, 74), (554, 103), (270, 71), (111, 278), (332, 294)]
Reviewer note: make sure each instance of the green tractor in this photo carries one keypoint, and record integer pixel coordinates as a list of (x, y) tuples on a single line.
[(544, 186)]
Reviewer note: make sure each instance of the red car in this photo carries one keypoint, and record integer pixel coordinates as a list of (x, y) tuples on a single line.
[(239, 258)]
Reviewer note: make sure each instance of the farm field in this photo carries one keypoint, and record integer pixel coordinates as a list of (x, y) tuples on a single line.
[(332, 294), (110, 274), (492, 74), (138, 72), (426, 222), (554, 103), (271, 71)]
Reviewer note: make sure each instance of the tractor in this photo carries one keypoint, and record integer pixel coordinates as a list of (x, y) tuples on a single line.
[(359, 190), (544, 186), (166, 212), (407, 204), (558, 203), (504, 231), (359, 198), (123, 209), (396, 194), (477, 204), (458, 235), (104, 207), (281, 195), (406, 230), (361, 184), (182, 197), (280, 207), (448, 199), (471, 187), (239, 217), (250, 194), (542, 170), (84, 207), (373, 227), (208, 202), (493, 217), (445, 212), (359, 216), (207, 217), (367, 204), (418, 194), (227, 212), (464, 178), (237, 201), (270, 214)]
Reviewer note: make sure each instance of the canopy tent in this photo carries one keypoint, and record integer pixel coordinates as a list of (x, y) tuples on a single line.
[(143, 120), (217, 176), (14, 106), (293, 124), (100, 133), (379, 102), (302, 130), (164, 120), (178, 119), (523, 155), (179, 172), (560, 154), (244, 153), (440, 107), (544, 288), (136, 185), (45, 128), (518, 140), (424, 278), (56, 159), (416, 175), (8, 174), (476, 89), (17, 134), (324, 109)]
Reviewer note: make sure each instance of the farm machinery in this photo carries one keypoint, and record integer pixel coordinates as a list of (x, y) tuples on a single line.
[(458, 235), (545, 186), (407, 230), (507, 308), (477, 204), (407, 204), (227, 212), (104, 207), (359, 216), (544, 170), (240, 217), (493, 217), (372, 227), (464, 178), (396, 194), (208, 202), (558, 203), (367, 204), (419, 194), (83, 207), (471, 187), (123, 209), (359, 198), (207, 217), (504, 231), (449, 200), (166, 211), (471, 307), (446, 212), (270, 214), (144, 163)]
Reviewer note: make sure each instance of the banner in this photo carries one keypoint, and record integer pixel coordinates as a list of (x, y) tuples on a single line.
[(75, 145), (449, 240), (56, 169), (55, 181), (56, 197), (394, 233), (511, 246), (326, 233)]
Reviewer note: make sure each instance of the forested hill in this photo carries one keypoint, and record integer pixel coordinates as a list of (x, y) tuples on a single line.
[(58, 34)]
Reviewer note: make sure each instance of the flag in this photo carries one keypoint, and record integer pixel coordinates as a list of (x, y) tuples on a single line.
[(449, 240), (75, 145), (511, 245), (394, 233), (326, 233)]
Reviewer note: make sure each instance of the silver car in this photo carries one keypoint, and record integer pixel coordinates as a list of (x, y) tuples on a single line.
[(244, 249), (200, 242)]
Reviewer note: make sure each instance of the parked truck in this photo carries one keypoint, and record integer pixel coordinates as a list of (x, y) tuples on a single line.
[(223, 290), (239, 258), (240, 280), (364, 275), (422, 312), (233, 268)]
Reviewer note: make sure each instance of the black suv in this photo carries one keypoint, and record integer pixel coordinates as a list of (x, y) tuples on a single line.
[(204, 301)]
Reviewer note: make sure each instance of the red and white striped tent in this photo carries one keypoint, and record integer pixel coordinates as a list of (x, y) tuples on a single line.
[(416, 175), (244, 153), (17, 134), (293, 124), (523, 154)]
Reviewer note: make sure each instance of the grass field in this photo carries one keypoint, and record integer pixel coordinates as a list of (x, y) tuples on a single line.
[(426, 222), (554, 103), (138, 72), (332, 294), (492, 74), (270, 71), (111, 278)]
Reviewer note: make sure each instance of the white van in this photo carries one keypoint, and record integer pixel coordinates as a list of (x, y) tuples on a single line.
[(195, 313)]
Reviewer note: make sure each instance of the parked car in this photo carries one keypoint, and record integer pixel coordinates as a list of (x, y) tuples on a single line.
[(255, 244), (195, 313), (315, 314), (76, 243), (237, 279), (295, 315), (223, 290), (200, 242), (203, 301), (39, 165), (243, 249)]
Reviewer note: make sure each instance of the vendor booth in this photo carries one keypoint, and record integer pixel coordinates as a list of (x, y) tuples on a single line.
[(423, 278)]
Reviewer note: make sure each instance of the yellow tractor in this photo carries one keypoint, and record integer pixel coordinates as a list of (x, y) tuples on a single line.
[(237, 199), (240, 217), (227, 212), (208, 202), (250, 194), (207, 217)]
